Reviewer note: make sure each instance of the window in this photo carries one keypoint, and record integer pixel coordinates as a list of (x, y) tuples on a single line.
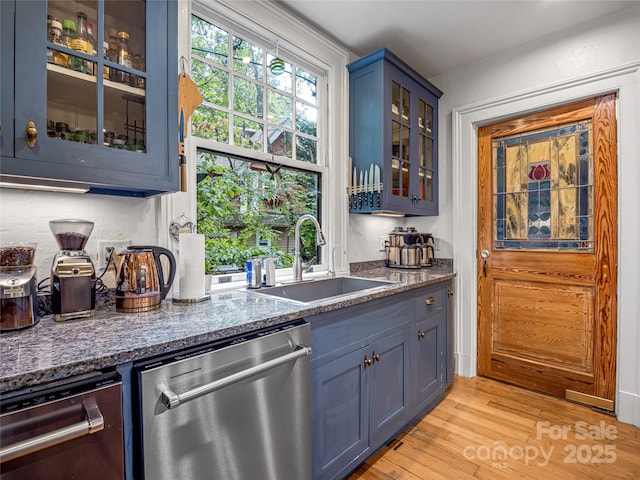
[(247, 105), (259, 150), (247, 208)]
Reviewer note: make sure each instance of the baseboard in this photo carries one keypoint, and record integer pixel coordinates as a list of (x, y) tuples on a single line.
[(628, 410), (465, 365)]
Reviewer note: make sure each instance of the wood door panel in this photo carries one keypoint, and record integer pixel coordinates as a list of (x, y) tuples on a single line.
[(568, 269), (547, 311), (546, 322), (539, 376)]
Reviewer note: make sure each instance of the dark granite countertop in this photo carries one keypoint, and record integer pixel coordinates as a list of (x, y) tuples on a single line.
[(51, 350)]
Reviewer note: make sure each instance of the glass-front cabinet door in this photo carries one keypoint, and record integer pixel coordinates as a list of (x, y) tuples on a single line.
[(400, 135), (426, 164), (72, 78), (91, 92), (411, 157)]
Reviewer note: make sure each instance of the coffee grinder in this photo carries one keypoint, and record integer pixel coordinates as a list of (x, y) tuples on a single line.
[(73, 276), (18, 287)]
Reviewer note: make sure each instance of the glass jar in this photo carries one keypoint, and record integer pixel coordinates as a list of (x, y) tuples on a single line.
[(113, 45), (138, 64), (124, 55), (55, 37), (105, 55), (82, 44), (68, 32), (68, 36), (92, 39)]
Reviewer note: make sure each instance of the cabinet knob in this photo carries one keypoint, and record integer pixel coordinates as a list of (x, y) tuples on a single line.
[(32, 134), (367, 362), (430, 301), (375, 356), (449, 292), (420, 335)]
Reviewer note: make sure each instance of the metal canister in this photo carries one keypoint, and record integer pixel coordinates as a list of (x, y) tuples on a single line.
[(410, 256), (254, 273), (269, 271), (394, 255)]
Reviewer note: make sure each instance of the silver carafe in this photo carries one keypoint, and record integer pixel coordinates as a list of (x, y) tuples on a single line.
[(410, 256)]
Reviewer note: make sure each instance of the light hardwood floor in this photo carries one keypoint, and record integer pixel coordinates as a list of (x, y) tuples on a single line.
[(485, 429)]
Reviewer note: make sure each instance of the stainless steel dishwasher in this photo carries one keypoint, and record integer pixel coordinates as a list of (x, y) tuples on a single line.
[(238, 409)]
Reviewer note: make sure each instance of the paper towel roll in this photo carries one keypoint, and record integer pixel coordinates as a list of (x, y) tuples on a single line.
[(191, 265)]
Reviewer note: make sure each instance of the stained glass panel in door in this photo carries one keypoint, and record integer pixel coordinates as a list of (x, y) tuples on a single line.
[(543, 189)]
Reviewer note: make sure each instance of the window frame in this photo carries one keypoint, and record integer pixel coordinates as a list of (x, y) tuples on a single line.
[(300, 41)]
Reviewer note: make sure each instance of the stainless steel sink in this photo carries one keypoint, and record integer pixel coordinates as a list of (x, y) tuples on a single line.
[(321, 289)]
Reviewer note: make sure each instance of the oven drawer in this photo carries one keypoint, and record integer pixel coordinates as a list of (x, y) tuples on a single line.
[(63, 430)]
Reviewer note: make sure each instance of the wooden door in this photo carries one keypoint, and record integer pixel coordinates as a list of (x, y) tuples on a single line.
[(547, 251)]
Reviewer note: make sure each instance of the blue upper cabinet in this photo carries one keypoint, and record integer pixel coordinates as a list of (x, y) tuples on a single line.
[(92, 96), (393, 141)]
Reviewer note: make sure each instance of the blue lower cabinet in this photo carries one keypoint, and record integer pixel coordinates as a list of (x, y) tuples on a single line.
[(388, 384), (376, 368), (340, 406), (428, 361), (451, 339)]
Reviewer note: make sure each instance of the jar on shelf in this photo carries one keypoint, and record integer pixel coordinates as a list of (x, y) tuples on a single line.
[(55, 37), (68, 37), (138, 64), (113, 45), (82, 43), (68, 32), (124, 56), (105, 55), (92, 39)]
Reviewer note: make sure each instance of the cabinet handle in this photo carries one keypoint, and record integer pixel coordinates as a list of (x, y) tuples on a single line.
[(375, 357), (430, 301), (421, 335), (32, 134), (367, 362), (449, 292)]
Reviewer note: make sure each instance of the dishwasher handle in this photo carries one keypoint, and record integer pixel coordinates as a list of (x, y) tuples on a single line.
[(172, 400), (93, 423)]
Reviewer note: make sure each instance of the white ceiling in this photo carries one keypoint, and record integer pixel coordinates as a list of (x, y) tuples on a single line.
[(435, 36)]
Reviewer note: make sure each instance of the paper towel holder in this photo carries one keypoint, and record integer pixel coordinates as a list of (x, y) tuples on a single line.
[(204, 298), (195, 297)]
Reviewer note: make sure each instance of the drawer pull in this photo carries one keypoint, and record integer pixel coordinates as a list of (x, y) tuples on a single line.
[(94, 422), (367, 362), (430, 301)]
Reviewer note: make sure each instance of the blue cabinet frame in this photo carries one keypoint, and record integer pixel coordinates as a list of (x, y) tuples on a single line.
[(107, 170)]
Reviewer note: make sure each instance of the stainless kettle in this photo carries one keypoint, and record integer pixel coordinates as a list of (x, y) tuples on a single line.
[(141, 283)]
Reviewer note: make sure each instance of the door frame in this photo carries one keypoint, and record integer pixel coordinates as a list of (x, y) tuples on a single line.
[(625, 81)]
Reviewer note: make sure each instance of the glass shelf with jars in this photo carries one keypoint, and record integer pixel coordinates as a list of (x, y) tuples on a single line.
[(88, 78)]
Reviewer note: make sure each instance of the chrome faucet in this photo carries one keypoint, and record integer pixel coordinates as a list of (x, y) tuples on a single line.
[(297, 261)]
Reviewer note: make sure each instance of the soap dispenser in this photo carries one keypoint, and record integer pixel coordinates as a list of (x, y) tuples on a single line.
[(269, 265)]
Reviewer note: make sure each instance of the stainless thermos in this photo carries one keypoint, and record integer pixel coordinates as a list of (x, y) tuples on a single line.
[(254, 273)]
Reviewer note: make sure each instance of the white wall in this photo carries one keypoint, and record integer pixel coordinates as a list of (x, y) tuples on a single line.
[(25, 216), (601, 57)]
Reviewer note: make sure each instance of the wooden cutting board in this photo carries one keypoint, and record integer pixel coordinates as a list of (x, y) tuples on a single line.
[(189, 97)]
